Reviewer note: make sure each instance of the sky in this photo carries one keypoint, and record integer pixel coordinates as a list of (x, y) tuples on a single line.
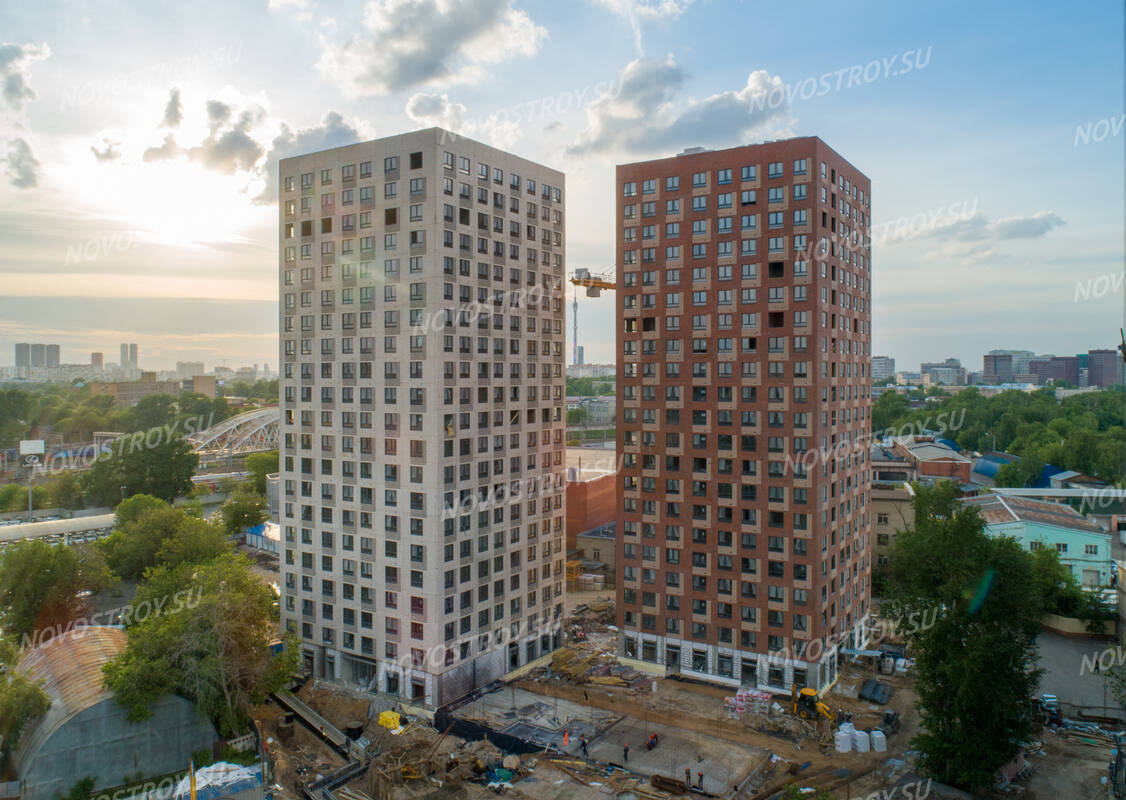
[(139, 143)]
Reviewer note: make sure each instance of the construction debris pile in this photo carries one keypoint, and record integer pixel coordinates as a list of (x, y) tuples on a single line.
[(583, 666), (587, 619), (1088, 733), (414, 764)]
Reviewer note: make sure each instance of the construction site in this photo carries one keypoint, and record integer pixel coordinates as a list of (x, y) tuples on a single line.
[(585, 725)]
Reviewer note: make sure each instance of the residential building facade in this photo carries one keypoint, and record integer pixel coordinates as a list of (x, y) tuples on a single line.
[(744, 386), (422, 464)]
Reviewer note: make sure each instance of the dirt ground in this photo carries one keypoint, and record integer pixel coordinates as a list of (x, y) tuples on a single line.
[(299, 761), (699, 709), (1068, 770)]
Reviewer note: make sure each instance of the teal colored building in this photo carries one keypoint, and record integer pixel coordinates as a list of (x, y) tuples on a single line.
[(1081, 545)]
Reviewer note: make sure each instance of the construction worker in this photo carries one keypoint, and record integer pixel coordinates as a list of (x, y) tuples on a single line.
[(687, 777), (582, 741), (700, 779), (625, 751)]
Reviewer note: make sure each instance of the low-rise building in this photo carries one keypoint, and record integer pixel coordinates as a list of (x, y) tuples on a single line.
[(130, 393), (590, 502), (592, 371), (86, 733), (203, 384), (933, 459), (893, 509), (1082, 546), (596, 548)]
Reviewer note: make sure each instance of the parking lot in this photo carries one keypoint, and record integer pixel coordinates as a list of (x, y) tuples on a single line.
[(1061, 658)]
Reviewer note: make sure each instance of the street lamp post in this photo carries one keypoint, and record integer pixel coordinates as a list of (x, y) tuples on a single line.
[(32, 463)]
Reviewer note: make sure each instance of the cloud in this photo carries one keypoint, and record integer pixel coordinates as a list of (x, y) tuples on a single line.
[(979, 228), (1032, 227), (332, 132), (640, 116), (218, 114), (108, 153), (236, 142), (435, 109), (15, 59), (637, 11), (229, 146), (976, 239), (231, 150), (21, 165), (173, 111), (412, 43), (165, 152)]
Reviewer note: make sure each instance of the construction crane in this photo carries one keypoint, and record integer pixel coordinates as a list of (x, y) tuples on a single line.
[(594, 284)]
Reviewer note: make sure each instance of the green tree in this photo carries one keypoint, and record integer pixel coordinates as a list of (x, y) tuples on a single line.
[(976, 664), (40, 585), (21, 701), (196, 541), (576, 416), (82, 789), (15, 498), (136, 507), (164, 470), (259, 465), (9, 495), (1059, 591), (157, 535), (888, 410), (64, 491), (152, 411), (213, 650), (243, 509)]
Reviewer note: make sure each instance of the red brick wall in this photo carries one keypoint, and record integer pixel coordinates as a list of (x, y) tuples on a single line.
[(589, 504), (958, 470)]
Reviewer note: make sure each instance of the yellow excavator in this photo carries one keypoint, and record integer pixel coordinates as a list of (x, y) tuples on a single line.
[(805, 704)]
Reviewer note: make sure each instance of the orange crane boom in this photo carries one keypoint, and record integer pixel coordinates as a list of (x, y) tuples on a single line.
[(594, 284)]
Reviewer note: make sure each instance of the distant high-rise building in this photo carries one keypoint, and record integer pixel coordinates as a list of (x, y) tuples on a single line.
[(97, 360), (949, 372), (997, 368), (434, 521), (186, 370), (1102, 368), (883, 367), (52, 355), (1020, 359), (1056, 369), (733, 562), (38, 355), (129, 355), (582, 356), (23, 359)]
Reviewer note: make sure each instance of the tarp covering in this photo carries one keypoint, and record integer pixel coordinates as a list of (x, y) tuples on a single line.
[(220, 779)]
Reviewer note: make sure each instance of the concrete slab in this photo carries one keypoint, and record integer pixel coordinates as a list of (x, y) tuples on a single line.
[(543, 720), (723, 763)]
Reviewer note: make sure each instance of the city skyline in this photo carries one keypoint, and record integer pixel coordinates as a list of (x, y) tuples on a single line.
[(100, 250)]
